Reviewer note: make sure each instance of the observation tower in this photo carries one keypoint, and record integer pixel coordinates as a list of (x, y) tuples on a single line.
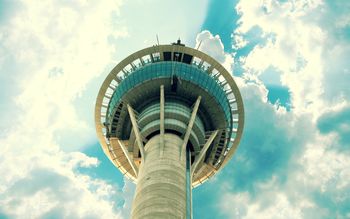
[(168, 117)]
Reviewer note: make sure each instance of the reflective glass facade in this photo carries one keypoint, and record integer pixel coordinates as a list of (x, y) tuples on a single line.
[(166, 70)]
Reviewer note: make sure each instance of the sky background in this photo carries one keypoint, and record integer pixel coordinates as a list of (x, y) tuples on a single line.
[(290, 59)]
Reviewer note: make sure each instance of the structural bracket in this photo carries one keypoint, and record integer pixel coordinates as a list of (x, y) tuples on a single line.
[(189, 127), (137, 132), (131, 162), (203, 151)]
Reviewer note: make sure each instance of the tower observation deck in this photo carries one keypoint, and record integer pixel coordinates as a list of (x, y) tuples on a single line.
[(168, 117)]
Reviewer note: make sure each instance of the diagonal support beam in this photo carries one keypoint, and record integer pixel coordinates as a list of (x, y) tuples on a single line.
[(189, 127), (137, 132), (203, 151), (161, 120), (127, 155)]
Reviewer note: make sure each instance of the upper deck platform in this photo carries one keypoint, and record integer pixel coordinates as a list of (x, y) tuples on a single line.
[(185, 73)]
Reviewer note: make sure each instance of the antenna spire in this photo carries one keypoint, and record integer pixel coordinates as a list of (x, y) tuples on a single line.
[(199, 45), (157, 39)]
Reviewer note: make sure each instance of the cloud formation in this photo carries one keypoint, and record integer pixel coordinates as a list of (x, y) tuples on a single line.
[(212, 45), (291, 164), (57, 48)]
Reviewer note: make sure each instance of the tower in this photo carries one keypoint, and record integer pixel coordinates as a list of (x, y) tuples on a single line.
[(168, 117)]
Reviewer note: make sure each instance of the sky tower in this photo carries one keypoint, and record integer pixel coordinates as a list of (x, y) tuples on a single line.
[(168, 117)]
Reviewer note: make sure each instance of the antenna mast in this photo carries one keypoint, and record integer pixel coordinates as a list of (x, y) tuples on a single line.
[(157, 39)]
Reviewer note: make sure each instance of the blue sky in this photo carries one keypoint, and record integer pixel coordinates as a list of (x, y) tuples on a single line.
[(289, 58)]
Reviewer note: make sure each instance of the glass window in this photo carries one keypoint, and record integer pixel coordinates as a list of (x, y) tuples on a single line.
[(156, 56), (165, 69)]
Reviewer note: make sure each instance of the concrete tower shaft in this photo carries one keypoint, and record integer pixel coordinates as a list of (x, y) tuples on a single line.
[(169, 117), (161, 184)]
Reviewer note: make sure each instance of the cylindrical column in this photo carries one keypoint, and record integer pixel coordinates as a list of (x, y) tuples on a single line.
[(161, 183)]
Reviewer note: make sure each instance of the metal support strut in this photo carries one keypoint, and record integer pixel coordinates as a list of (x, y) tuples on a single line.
[(130, 160), (203, 151), (137, 132), (189, 127)]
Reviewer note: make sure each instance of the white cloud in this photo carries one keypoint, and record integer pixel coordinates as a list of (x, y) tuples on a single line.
[(324, 169), (239, 41), (169, 20), (58, 48), (270, 145), (213, 46), (241, 206), (49, 192), (128, 194), (294, 46), (288, 170), (308, 51), (58, 58), (306, 41)]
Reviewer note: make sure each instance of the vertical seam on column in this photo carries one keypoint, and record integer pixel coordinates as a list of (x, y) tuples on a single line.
[(162, 120)]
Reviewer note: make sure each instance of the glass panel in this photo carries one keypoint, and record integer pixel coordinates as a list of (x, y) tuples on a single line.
[(196, 61), (156, 56), (146, 59), (206, 66), (165, 69), (137, 63)]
